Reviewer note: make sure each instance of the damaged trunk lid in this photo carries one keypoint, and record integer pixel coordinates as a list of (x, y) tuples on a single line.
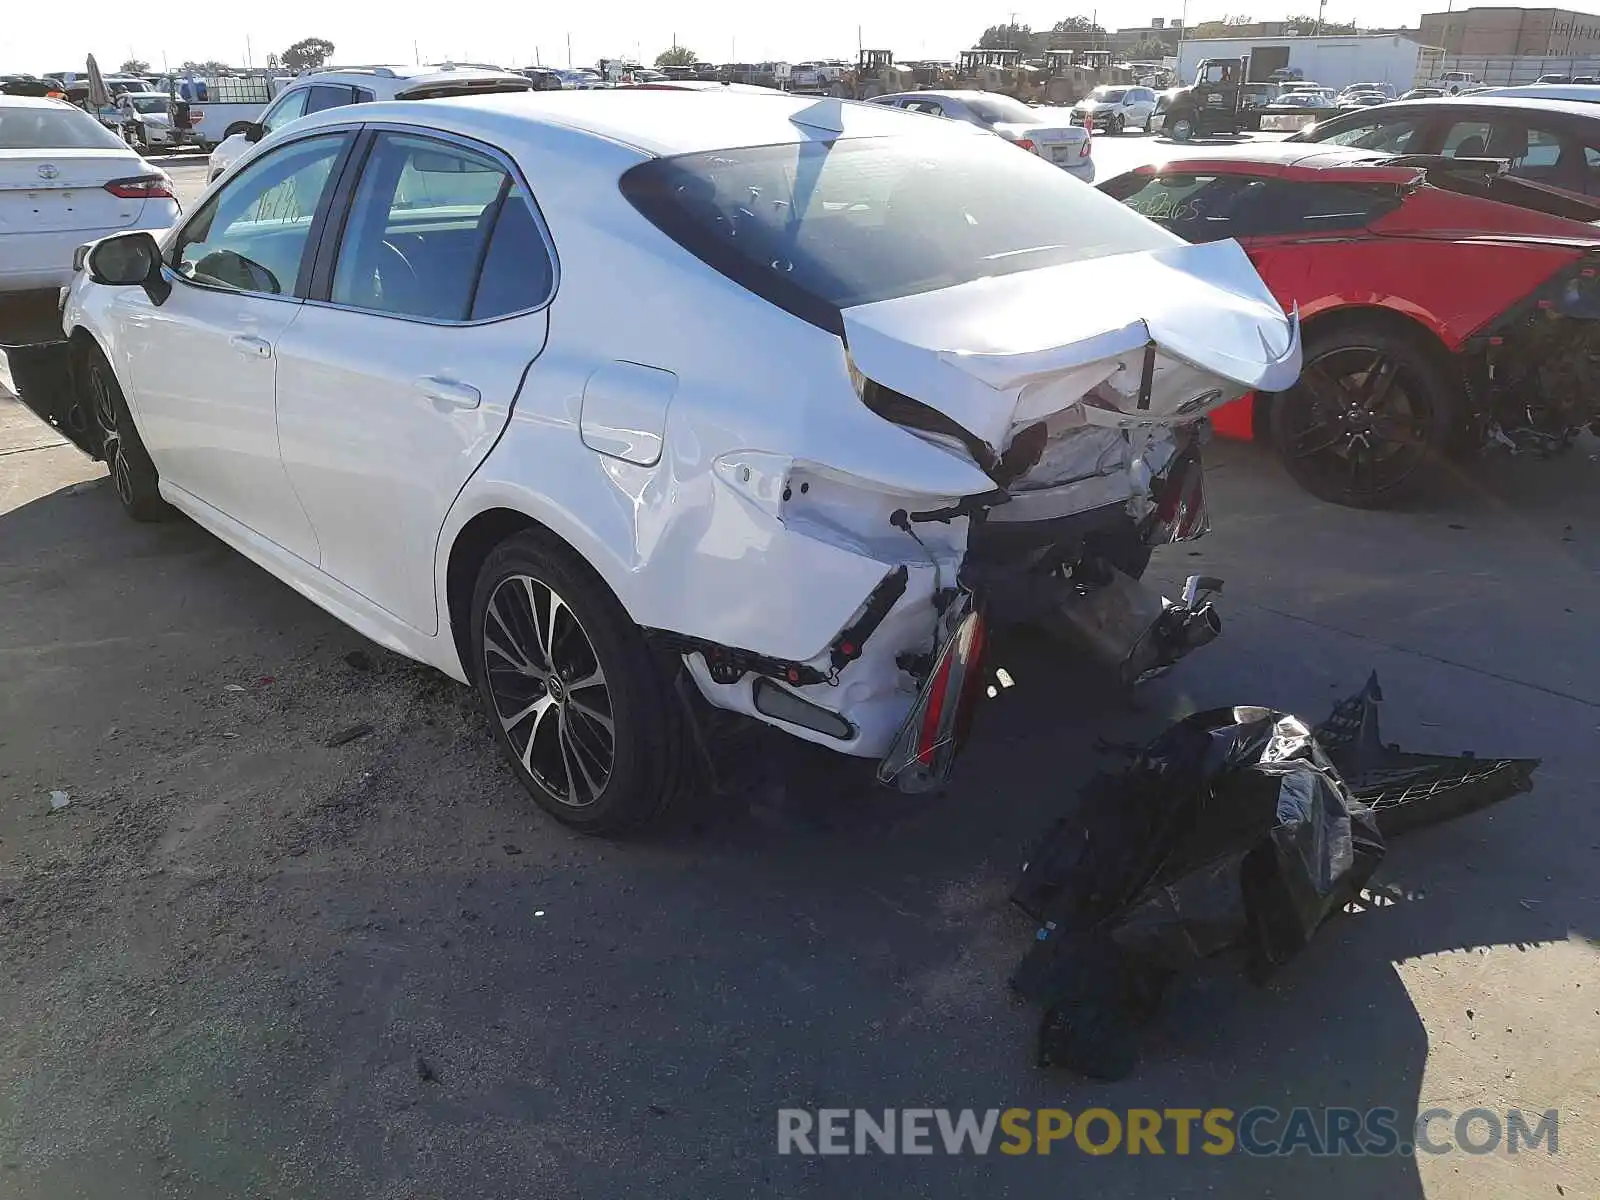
[(1155, 337)]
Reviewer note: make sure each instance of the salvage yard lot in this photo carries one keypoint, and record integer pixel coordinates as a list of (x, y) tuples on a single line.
[(245, 962)]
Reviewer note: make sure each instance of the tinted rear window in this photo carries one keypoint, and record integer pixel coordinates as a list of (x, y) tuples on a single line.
[(53, 127), (816, 227)]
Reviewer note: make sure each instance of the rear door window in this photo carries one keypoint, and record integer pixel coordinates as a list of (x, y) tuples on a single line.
[(428, 218), (1393, 136)]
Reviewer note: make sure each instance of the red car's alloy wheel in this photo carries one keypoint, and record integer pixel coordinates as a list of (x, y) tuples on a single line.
[(1365, 425)]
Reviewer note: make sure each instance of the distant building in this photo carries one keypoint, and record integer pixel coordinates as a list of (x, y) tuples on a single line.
[(1160, 30), (1506, 32)]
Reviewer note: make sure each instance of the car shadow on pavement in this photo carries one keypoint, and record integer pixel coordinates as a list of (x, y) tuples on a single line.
[(243, 958)]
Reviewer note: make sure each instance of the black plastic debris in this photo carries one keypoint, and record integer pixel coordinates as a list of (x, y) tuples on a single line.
[(1412, 791), (1237, 829)]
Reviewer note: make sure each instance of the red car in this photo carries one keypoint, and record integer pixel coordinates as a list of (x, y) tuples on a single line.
[(1445, 305)]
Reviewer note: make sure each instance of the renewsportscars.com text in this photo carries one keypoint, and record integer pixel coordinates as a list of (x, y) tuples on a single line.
[(1261, 1131)]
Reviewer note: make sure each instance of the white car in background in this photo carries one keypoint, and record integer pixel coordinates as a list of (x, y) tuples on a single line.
[(334, 88), (850, 405), (66, 179), (1049, 133), (1113, 108), (147, 120)]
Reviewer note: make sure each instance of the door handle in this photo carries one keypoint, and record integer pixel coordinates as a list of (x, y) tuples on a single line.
[(448, 393), (250, 345)]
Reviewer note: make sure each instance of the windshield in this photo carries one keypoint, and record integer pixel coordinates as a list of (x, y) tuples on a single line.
[(816, 227), (150, 104), (1108, 95), (55, 127), (990, 109)]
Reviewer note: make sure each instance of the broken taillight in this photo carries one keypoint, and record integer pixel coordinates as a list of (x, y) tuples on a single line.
[(937, 725), (1180, 514)]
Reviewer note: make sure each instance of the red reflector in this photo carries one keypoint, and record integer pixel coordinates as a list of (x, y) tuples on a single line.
[(140, 187), (1497, 341), (1546, 304), (932, 716), (1025, 143)]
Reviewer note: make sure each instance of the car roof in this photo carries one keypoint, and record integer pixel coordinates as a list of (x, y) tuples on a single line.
[(655, 121), (407, 77), (702, 85), (1576, 108), (944, 94), (37, 102), (1582, 93)]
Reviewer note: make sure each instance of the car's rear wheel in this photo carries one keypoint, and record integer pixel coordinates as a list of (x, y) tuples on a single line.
[(1180, 128), (578, 701), (1371, 420), (133, 475)]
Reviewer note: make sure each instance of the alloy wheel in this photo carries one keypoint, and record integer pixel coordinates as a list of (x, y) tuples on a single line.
[(105, 416), (1361, 421), (549, 690)]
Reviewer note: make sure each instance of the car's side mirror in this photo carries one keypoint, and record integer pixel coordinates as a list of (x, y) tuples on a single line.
[(254, 131), (129, 260)]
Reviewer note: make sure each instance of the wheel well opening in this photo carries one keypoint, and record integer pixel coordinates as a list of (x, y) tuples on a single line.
[(475, 542), (1368, 316)]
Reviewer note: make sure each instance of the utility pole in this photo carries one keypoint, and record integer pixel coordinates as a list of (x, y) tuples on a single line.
[(416, 54), (1322, 7), (569, 49), (247, 61)]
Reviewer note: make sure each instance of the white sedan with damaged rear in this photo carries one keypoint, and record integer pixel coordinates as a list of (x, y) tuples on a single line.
[(611, 403)]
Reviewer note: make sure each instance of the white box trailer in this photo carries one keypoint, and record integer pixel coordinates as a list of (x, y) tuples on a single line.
[(1334, 61)]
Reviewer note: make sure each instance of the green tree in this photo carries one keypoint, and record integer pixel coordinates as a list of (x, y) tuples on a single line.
[(1308, 25), (1149, 50), (677, 56), (1006, 37), (134, 66), (211, 66), (307, 54), (1079, 24)]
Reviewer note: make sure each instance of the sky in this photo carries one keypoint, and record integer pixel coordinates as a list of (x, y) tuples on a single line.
[(41, 37)]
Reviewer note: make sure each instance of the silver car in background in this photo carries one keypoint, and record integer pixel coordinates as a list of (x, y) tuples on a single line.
[(1049, 133)]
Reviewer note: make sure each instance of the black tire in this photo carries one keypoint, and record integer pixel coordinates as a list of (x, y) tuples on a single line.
[(133, 476), (1118, 122), (1371, 421), (592, 637), (1180, 126)]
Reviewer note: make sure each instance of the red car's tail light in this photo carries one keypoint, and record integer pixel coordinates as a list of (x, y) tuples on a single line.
[(141, 187), (1025, 143)]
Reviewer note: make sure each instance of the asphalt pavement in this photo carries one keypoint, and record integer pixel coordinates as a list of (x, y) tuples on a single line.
[(242, 960)]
